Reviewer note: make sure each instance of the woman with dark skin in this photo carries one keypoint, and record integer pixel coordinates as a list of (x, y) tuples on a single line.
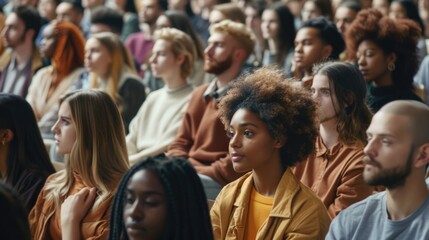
[(386, 52)]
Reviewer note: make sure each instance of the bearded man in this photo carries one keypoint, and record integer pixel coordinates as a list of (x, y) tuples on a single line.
[(396, 157)]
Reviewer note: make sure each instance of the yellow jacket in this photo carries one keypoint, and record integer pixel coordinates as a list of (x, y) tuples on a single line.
[(297, 212)]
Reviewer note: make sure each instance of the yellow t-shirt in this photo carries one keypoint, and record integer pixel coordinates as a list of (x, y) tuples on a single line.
[(259, 210)]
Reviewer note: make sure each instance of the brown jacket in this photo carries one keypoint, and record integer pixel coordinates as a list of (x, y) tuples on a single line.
[(202, 139), (335, 175), (95, 224)]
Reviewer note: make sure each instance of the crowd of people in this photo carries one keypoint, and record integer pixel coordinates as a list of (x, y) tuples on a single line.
[(242, 119)]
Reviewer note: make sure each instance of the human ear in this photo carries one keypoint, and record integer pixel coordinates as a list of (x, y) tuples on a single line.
[(239, 55), (6, 135), (279, 142), (180, 59), (422, 158), (326, 51)]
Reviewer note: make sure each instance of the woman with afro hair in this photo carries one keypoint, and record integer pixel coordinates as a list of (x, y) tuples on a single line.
[(386, 52), (271, 126)]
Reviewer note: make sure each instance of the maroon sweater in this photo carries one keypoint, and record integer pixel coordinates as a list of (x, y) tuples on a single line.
[(202, 139)]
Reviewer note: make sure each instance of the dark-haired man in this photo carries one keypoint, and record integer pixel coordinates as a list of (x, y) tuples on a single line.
[(318, 39), (19, 33)]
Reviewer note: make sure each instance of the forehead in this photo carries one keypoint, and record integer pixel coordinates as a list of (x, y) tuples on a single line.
[(216, 16), (219, 37), (343, 12), (13, 19), (93, 43), (307, 33), (149, 3), (243, 115), (386, 123), (368, 44), (320, 81), (161, 45), (145, 180), (64, 7), (269, 14), (65, 109)]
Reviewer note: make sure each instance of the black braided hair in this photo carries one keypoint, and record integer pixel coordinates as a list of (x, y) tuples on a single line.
[(187, 203)]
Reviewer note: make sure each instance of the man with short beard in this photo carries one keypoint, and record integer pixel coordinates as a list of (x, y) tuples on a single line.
[(396, 155), (202, 138), (19, 33)]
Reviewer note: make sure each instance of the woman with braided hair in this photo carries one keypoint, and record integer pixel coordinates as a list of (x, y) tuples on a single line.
[(160, 198)]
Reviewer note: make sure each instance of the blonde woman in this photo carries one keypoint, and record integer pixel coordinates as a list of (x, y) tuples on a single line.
[(75, 202), (160, 116), (112, 70)]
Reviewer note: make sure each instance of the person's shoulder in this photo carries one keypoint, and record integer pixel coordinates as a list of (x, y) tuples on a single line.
[(355, 211), (133, 81), (230, 190)]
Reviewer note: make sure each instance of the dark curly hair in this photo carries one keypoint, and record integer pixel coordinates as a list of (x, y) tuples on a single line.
[(188, 212), (392, 36), (288, 112)]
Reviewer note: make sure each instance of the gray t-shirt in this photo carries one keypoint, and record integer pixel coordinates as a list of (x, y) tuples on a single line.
[(368, 219)]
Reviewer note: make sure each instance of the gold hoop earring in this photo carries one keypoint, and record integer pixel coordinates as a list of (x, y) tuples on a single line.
[(391, 67), (3, 141)]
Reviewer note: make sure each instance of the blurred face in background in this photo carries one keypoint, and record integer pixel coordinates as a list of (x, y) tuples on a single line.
[(97, 58), (270, 24), (48, 43)]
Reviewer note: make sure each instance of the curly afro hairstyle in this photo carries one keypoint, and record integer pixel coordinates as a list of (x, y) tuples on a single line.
[(392, 36), (288, 112)]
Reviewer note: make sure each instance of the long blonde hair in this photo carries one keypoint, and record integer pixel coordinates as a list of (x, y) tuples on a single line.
[(121, 61), (99, 154)]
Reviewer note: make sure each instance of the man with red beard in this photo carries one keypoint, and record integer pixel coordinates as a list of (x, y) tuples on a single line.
[(202, 138), (396, 155), (19, 33)]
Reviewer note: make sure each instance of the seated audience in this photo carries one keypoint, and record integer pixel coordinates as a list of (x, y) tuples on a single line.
[(160, 198), (334, 170), (386, 52), (397, 154), (24, 161), (63, 44), (271, 126), (112, 70), (75, 202), (158, 120)]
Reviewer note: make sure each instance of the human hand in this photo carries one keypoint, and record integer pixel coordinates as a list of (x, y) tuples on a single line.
[(76, 206)]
